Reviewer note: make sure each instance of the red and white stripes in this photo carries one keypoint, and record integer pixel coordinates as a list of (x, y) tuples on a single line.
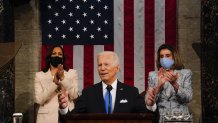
[(140, 27)]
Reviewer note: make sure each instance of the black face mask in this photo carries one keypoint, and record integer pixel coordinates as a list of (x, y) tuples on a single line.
[(55, 61)]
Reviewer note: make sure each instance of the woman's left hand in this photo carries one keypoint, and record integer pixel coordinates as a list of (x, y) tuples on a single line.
[(171, 77)]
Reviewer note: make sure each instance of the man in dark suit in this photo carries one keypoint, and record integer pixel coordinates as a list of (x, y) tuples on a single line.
[(109, 95)]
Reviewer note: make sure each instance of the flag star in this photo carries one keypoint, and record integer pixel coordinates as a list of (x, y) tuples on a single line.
[(77, 36), (105, 7), (91, 7), (84, 29), (84, 14), (71, 29), (99, 14), (63, 7), (56, 28), (105, 22), (63, 36), (99, 0), (91, 36), (71, 0), (77, 7), (98, 29), (56, 14), (105, 36), (84, 1), (49, 36), (63, 21), (70, 14), (92, 21), (49, 21), (49, 6), (77, 21)]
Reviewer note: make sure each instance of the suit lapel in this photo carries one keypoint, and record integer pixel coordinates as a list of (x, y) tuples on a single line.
[(118, 95), (100, 97)]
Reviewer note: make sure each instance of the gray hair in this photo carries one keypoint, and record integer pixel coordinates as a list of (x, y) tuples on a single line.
[(116, 58)]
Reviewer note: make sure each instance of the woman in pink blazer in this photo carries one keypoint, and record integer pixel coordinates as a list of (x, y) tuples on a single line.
[(49, 82)]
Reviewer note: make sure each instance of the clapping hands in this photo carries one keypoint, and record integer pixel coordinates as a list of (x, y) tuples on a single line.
[(59, 75), (60, 72), (171, 77)]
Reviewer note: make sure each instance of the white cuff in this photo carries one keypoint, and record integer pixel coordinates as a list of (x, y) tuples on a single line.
[(63, 111), (152, 108)]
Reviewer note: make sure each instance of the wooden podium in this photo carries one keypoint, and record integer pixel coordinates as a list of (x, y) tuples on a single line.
[(111, 118)]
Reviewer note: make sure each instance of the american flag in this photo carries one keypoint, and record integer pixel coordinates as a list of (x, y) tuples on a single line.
[(134, 29), (77, 22)]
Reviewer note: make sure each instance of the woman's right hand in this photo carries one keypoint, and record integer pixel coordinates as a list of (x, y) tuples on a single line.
[(59, 74), (151, 97), (56, 78), (161, 80)]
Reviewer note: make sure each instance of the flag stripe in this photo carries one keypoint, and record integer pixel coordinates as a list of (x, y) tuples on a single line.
[(129, 42), (149, 37), (139, 39), (43, 55), (109, 47), (170, 14), (159, 25), (44, 50), (78, 63), (88, 70), (97, 49), (68, 50), (119, 34)]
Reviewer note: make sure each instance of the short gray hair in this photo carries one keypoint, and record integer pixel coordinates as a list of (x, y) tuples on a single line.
[(116, 58)]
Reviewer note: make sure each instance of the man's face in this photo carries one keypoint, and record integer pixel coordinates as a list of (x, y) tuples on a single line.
[(107, 69)]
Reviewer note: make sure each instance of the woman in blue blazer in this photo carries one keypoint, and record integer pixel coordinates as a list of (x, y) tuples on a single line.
[(169, 88)]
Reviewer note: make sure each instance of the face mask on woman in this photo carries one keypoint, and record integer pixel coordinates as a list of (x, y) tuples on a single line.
[(166, 63), (55, 61)]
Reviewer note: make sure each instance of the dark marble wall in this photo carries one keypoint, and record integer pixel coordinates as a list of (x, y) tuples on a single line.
[(6, 21), (7, 71), (209, 60), (7, 79)]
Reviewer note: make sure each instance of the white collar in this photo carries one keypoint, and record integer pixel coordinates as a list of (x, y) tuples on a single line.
[(114, 85)]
